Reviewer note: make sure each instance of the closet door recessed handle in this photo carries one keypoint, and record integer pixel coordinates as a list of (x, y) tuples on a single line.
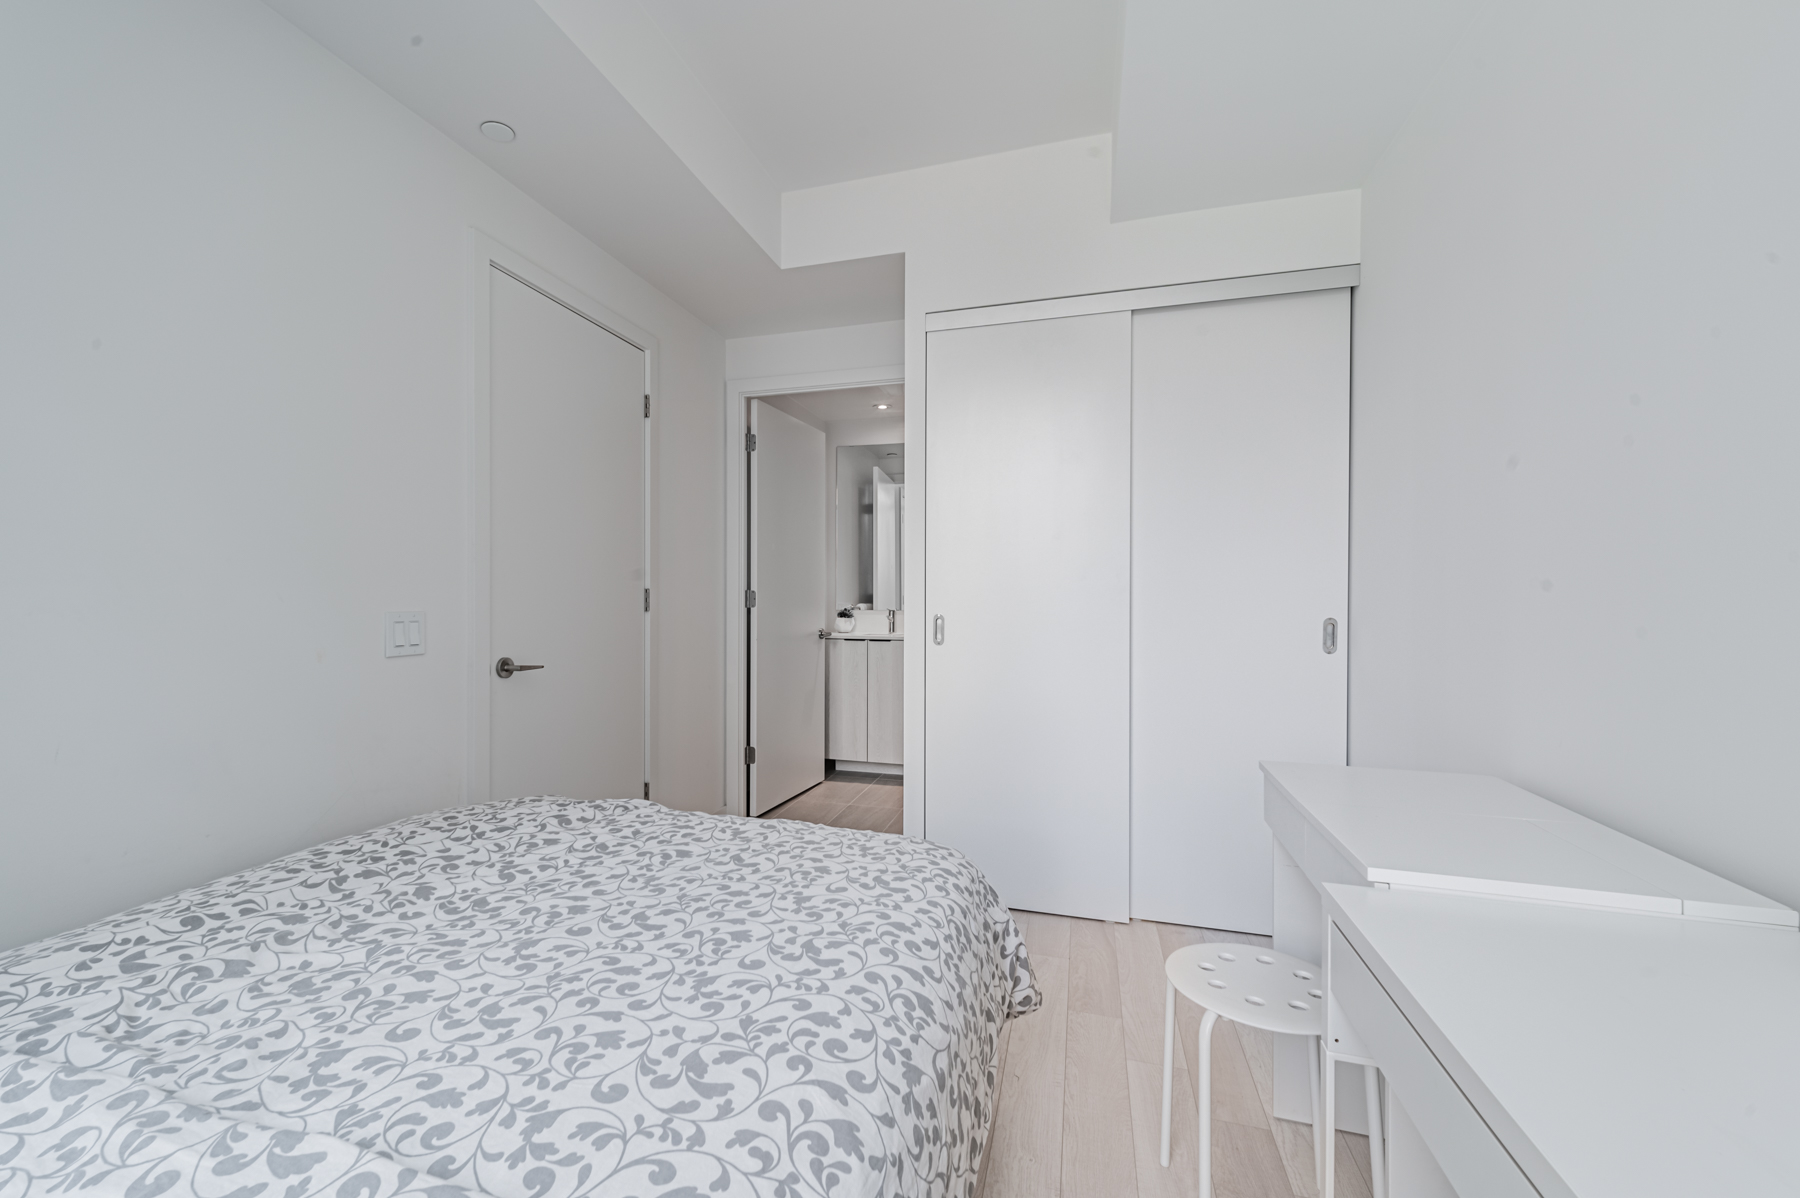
[(1330, 637), (937, 631)]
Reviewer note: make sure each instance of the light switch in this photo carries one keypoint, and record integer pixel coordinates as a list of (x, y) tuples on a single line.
[(403, 633)]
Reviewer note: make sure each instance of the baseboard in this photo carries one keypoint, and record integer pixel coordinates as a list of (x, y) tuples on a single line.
[(868, 767)]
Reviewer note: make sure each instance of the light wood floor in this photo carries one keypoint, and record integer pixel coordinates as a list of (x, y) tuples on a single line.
[(867, 801), (1080, 1103)]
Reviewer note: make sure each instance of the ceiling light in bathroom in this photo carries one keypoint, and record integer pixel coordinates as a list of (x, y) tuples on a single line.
[(497, 131), (881, 407)]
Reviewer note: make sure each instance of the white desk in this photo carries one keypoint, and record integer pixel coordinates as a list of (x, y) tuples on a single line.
[(1480, 835), (1609, 1054), (1465, 833)]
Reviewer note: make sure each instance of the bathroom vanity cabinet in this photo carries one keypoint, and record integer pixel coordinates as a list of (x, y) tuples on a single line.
[(863, 700)]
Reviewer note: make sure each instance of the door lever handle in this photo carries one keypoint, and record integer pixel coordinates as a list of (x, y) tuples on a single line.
[(506, 667)]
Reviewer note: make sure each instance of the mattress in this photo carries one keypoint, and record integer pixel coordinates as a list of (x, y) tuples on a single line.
[(537, 997)]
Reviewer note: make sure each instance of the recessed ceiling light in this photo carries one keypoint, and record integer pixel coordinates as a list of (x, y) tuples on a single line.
[(496, 131), (883, 407)]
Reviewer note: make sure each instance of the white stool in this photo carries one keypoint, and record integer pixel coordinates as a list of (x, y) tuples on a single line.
[(1254, 986)]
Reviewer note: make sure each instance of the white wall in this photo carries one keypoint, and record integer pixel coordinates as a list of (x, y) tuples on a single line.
[(232, 435), (1035, 223), (815, 351), (1028, 225), (1576, 552)]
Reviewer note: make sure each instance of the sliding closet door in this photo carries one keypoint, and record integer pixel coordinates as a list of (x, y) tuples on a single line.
[(1027, 566), (1240, 551)]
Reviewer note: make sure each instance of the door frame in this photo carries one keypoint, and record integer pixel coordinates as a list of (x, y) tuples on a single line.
[(482, 255), (738, 393)]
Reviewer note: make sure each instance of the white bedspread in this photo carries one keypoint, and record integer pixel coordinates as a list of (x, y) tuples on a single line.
[(536, 997)]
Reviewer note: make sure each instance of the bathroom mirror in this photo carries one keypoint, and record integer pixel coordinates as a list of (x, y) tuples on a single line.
[(870, 525)]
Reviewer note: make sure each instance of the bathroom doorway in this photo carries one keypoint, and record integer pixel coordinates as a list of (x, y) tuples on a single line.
[(815, 652)]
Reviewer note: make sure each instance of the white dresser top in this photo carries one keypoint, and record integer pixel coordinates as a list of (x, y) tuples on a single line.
[(1480, 835), (1613, 1054)]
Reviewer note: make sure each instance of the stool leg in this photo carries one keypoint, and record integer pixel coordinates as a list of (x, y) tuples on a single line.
[(1377, 1150), (1206, 1030), (1168, 1066), (1318, 1113)]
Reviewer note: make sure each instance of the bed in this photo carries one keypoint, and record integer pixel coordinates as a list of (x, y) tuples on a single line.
[(536, 997)]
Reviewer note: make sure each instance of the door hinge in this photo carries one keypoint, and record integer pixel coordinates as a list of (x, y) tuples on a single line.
[(749, 755), (646, 789), (749, 598), (646, 406), (749, 442), (646, 598)]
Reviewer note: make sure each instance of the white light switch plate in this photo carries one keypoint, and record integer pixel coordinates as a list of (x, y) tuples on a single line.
[(403, 633)]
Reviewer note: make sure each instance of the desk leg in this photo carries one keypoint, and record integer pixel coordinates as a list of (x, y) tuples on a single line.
[(1206, 1030), (1318, 1064), (1328, 1154), (1377, 1155)]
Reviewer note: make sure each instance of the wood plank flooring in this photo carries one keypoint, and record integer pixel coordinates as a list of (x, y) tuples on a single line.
[(871, 802), (1080, 1103)]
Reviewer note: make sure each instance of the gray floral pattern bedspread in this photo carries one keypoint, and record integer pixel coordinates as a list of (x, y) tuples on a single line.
[(538, 997)]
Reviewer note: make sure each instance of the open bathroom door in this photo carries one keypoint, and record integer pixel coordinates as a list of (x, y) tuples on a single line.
[(787, 579)]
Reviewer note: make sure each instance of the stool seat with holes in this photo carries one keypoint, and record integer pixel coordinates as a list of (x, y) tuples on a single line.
[(1253, 986)]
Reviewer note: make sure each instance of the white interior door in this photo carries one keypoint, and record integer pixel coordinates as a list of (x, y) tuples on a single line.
[(787, 572), (1028, 565), (1240, 553), (567, 594)]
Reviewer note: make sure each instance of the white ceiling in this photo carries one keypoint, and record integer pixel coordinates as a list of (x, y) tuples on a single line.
[(891, 457), (824, 90), (849, 403), (1228, 103), (588, 156), (667, 130)]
